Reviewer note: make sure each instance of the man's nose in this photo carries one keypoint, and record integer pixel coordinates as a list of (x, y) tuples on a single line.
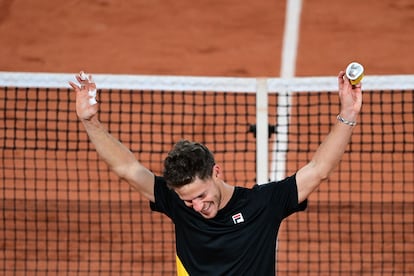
[(197, 205)]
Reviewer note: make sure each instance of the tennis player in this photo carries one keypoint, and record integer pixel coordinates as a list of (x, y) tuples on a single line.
[(220, 229)]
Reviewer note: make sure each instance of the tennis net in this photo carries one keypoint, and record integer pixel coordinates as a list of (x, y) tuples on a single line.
[(64, 212)]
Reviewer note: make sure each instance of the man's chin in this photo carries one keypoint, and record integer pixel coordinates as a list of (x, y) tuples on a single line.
[(208, 215)]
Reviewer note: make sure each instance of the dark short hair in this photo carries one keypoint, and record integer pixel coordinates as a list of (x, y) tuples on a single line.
[(186, 161)]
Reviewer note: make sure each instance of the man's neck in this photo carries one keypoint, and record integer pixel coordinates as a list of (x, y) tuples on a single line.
[(226, 194)]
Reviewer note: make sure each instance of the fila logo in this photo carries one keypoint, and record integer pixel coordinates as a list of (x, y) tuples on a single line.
[(238, 218)]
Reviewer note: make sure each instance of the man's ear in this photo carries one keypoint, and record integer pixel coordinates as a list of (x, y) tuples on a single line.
[(216, 171)]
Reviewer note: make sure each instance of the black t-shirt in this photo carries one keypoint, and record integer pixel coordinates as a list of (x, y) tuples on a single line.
[(241, 239)]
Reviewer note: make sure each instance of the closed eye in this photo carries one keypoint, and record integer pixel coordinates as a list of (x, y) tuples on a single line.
[(189, 203)]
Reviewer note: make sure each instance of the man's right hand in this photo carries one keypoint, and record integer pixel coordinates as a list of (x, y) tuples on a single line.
[(86, 105)]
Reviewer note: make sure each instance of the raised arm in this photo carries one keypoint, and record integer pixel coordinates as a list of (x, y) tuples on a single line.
[(116, 155), (330, 152)]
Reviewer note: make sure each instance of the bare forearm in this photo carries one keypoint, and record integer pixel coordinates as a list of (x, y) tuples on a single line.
[(120, 159), (330, 152), (115, 154), (324, 161)]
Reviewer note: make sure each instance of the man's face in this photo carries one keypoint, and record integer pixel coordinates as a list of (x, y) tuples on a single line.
[(203, 196)]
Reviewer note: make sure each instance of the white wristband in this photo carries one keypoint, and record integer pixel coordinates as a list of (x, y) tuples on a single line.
[(345, 121)]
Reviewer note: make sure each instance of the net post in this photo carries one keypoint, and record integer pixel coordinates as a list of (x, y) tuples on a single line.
[(280, 145), (262, 131)]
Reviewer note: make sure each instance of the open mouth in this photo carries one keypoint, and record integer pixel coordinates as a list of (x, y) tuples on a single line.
[(206, 208)]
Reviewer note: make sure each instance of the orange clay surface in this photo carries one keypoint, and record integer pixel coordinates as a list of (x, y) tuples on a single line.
[(203, 38)]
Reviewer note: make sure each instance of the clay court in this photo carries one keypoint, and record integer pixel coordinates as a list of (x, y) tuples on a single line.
[(201, 38), (205, 38)]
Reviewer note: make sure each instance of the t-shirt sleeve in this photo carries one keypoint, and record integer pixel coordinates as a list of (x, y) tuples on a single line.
[(163, 197), (291, 191), (283, 197)]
